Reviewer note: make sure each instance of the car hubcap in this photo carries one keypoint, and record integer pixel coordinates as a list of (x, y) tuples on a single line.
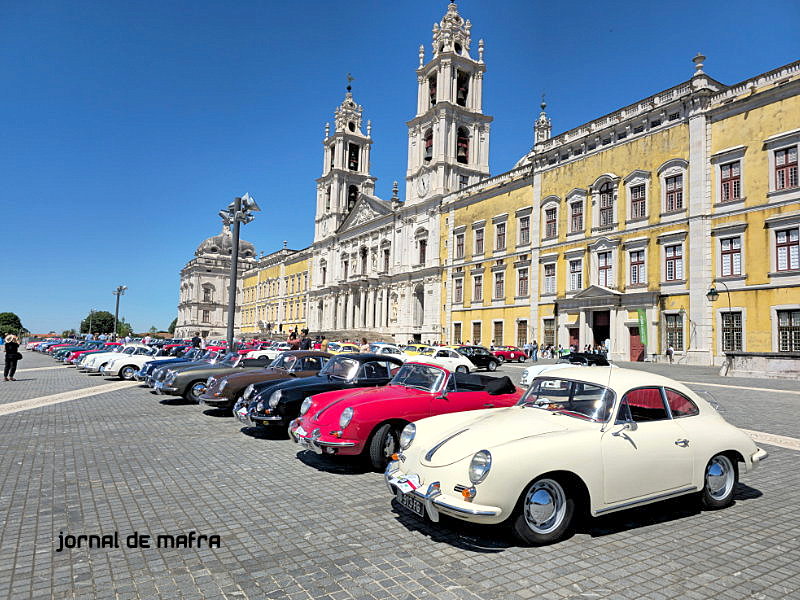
[(127, 373), (198, 389), (545, 505), (389, 446), (719, 477)]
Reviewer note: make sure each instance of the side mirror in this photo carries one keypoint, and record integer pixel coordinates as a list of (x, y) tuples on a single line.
[(630, 425), (442, 396)]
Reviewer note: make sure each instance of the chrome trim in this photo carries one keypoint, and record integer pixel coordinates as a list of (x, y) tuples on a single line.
[(758, 456), (266, 418), (433, 450), (691, 488)]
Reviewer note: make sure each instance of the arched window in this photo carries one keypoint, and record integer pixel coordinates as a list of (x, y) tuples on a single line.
[(352, 195), (363, 254), (462, 145), (606, 204), (428, 145), (328, 198), (462, 88), (432, 89)]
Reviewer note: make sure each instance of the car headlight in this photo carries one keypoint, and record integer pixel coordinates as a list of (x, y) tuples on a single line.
[(407, 436), (210, 381), (223, 385), (479, 466), (248, 391), (346, 417), (260, 407), (305, 406), (275, 398)]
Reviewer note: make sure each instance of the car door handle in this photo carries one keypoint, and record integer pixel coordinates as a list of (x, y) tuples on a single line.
[(682, 443), (488, 405)]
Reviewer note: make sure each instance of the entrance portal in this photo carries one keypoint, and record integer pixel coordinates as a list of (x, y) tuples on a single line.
[(573, 337), (601, 326), (637, 348)]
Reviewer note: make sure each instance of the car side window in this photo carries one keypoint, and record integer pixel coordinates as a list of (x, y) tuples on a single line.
[(374, 370), (680, 405), (312, 363), (442, 354), (643, 404)]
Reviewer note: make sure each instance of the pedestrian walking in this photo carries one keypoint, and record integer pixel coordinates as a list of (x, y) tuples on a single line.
[(670, 353), (323, 345), (305, 341), (535, 351), (196, 340), (12, 357)]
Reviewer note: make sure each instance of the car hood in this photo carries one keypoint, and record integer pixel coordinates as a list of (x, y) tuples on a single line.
[(488, 429)]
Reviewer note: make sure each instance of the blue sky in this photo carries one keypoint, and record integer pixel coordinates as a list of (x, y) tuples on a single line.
[(127, 126)]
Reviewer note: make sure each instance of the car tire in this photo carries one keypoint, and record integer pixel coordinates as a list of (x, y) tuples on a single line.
[(383, 444), (492, 366), (194, 390), (521, 359), (462, 369), (501, 360), (127, 372), (719, 482), (545, 514)]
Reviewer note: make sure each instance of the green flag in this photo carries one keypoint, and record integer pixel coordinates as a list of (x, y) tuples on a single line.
[(642, 326)]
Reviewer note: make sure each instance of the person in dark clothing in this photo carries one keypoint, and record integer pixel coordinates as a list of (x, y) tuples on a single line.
[(305, 341), (12, 356), (196, 340)]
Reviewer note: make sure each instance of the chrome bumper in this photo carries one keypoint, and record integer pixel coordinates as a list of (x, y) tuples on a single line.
[(163, 388), (758, 456), (433, 499)]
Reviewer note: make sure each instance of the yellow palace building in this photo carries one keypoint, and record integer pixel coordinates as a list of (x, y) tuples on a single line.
[(672, 222)]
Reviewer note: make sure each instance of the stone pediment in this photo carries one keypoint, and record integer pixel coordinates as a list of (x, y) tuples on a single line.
[(367, 208), (597, 291)]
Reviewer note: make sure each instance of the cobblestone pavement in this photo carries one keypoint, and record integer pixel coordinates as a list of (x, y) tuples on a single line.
[(296, 526)]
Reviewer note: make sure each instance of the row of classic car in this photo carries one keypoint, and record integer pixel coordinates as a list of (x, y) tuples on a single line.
[(580, 440)]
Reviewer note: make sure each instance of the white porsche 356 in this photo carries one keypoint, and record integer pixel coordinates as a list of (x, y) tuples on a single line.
[(594, 439)]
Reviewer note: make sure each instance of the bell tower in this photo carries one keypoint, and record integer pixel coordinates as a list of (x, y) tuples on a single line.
[(345, 167), (448, 139)]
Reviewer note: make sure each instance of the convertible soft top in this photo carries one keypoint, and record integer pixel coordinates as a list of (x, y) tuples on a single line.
[(473, 382)]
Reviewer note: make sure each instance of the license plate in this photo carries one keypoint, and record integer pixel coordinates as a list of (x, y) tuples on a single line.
[(411, 503)]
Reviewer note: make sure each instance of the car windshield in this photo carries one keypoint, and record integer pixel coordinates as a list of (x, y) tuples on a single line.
[(427, 351), (230, 360), (284, 361), (340, 368), (421, 377), (577, 399)]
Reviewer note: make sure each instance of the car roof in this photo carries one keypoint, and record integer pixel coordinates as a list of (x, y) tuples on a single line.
[(619, 379), (367, 356), (303, 353)]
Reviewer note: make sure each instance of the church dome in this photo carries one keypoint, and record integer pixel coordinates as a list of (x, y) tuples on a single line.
[(222, 244)]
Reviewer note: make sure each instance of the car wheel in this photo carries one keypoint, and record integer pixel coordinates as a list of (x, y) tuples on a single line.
[(720, 480), (195, 390), (492, 366), (546, 513), (462, 369), (521, 358), (384, 443), (127, 372), (500, 359)]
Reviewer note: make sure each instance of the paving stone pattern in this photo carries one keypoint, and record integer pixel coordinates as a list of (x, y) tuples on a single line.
[(294, 525)]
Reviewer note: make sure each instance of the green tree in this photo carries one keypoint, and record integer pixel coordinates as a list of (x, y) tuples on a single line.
[(69, 333), (123, 328), (10, 323), (172, 326), (152, 330), (102, 322)]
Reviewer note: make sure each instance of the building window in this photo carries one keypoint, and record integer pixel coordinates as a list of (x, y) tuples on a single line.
[(637, 267), (576, 217), (638, 202), (522, 282), (385, 260), (498, 333), (522, 333), (575, 274), (730, 179), (731, 256), (428, 146), (605, 276), (674, 193), (479, 241), (458, 291), (462, 145), (477, 287), (524, 230), (324, 274), (550, 223), (476, 333), (345, 266), (456, 333), (606, 205), (352, 156), (786, 168), (500, 236), (327, 198), (674, 331), (206, 316), (499, 286), (460, 245), (352, 196), (463, 181), (788, 249), (207, 297), (789, 331), (423, 248), (550, 278), (731, 331), (549, 331), (674, 263), (432, 89)]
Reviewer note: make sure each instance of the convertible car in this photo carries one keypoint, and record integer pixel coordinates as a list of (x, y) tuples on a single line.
[(279, 404), (369, 421), (225, 391), (592, 439)]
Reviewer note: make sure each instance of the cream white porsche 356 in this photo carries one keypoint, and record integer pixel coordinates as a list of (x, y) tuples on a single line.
[(590, 439)]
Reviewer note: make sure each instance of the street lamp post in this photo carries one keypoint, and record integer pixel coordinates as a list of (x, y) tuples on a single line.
[(237, 212), (120, 291), (91, 314), (712, 296)]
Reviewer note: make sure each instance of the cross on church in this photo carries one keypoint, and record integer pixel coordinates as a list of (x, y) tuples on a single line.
[(350, 79)]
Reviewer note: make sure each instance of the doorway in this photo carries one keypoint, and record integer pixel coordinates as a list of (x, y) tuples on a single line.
[(574, 340), (601, 326), (636, 346)]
